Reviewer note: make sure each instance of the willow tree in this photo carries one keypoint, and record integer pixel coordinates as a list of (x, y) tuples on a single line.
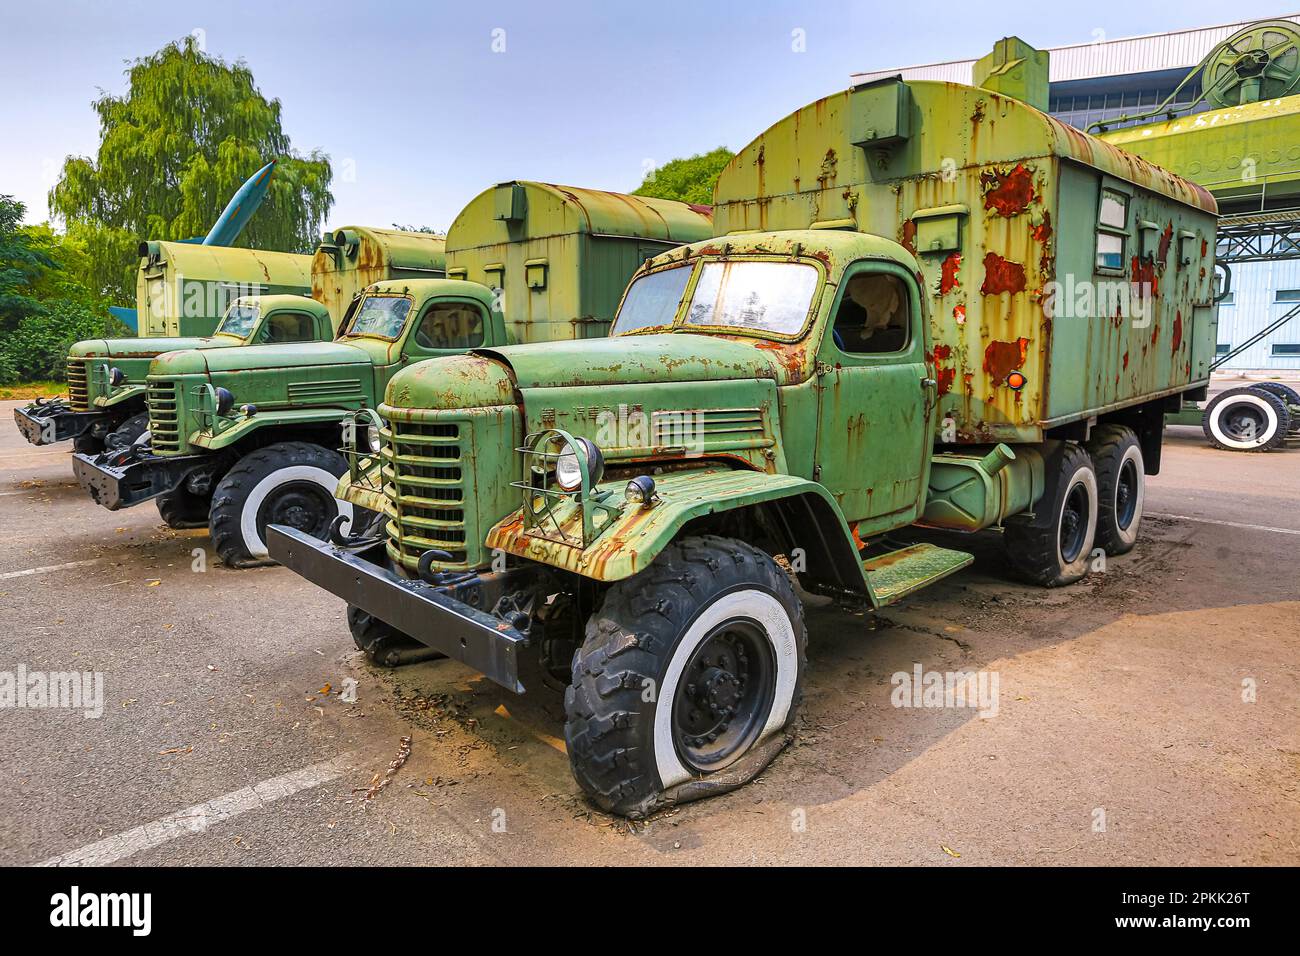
[(172, 151), (689, 180)]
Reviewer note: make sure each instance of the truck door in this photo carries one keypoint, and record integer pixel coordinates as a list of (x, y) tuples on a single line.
[(875, 398)]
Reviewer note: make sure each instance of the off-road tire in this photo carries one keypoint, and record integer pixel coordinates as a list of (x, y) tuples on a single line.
[(623, 748), (126, 433), (382, 642), (1272, 412), (183, 509), (256, 480), (1034, 547), (1288, 394), (87, 444), (1121, 486)]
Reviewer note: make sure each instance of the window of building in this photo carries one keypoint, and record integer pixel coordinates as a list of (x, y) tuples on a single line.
[(1286, 348), (1287, 295), (1223, 348), (1228, 299)]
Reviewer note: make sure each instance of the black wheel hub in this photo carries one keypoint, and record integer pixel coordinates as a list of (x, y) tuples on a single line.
[(302, 505), (1126, 494), (724, 696), (1074, 523), (1244, 423)]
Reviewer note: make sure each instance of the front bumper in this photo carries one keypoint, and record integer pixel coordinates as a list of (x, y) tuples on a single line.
[(120, 480), (47, 423), (485, 643)]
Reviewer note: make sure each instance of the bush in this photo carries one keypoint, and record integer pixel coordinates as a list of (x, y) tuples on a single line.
[(38, 348)]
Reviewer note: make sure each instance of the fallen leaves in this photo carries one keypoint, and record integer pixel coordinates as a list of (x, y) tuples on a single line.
[(950, 851), (176, 750), (377, 783)]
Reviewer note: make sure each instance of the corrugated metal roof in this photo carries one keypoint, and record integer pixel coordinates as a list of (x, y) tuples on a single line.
[(1144, 54)]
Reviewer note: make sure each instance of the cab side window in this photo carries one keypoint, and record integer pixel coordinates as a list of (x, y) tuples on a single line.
[(873, 316), (288, 327), (450, 325)]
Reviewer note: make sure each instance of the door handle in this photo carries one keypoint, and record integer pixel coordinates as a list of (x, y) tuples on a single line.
[(928, 383)]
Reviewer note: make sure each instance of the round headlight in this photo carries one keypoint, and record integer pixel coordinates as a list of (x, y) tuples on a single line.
[(568, 473), (116, 377), (640, 490), (372, 437), (225, 401)]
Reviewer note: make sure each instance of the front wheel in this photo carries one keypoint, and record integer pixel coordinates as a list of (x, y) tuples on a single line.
[(1246, 419), (181, 508), (290, 483), (688, 675), (127, 433)]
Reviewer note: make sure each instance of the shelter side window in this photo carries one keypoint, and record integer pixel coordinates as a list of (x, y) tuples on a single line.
[(289, 327), (873, 315), (1112, 230), (450, 325)]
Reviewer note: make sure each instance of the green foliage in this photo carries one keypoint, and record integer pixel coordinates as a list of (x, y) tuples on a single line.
[(428, 230), (687, 180), (172, 151), (44, 308), (21, 262), (38, 347)]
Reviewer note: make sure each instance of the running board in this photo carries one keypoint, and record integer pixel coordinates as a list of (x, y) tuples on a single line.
[(897, 574)]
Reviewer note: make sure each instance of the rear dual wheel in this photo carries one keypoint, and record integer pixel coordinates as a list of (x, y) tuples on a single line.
[(1121, 486), (1054, 548)]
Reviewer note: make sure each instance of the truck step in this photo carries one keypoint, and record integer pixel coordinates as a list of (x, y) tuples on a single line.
[(897, 574)]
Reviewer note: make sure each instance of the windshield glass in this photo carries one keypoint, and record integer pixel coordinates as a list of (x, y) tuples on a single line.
[(759, 296), (239, 321), (381, 316), (652, 300)]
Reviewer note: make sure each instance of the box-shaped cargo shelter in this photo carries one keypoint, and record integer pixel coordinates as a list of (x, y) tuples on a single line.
[(1064, 276), (562, 255)]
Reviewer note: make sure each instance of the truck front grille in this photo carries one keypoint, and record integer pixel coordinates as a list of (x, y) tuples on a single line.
[(78, 386), (164, 416), (423, 482)]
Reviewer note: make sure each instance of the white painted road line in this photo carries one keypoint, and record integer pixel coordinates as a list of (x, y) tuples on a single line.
[(53, 567), (1226, 524), (199, 817)]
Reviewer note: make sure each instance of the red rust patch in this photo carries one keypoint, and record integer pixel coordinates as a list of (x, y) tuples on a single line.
[(1126, 360), (945, 377), (1002, 275), (1144, 274), (908, 238), (959, 314), (942, 351), (1178, 332), (1003, 358), (948, 278), (1166, 237), (1008, 192)]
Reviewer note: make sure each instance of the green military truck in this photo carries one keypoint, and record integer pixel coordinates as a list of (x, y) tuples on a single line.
[(877, 338), (182, 293), (177, 286), (247, 436)]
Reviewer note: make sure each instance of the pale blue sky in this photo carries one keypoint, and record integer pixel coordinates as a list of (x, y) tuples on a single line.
[(412, 99)]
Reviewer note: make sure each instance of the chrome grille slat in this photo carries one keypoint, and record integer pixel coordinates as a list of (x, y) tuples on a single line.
[(78, 386), (164, 416), (422, 477)]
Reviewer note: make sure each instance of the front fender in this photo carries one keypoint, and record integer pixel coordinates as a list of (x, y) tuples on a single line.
[(124, 394), (630, 541), (243, 427)]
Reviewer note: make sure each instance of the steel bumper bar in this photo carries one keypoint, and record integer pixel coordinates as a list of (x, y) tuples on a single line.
[(485, 643), (134, 480), (50, 423)]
